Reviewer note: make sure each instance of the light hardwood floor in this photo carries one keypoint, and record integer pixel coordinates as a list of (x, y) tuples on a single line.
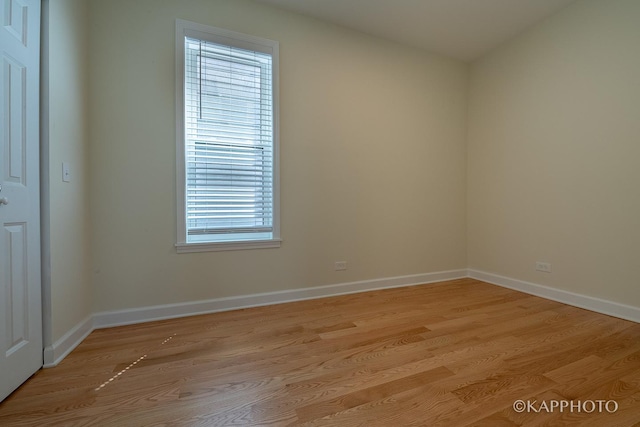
[(449, 354)]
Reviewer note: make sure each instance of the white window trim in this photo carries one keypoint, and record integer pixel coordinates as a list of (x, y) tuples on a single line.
[(232, 38)]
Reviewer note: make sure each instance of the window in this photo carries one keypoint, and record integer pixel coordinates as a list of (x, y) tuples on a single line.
[(227, 139)]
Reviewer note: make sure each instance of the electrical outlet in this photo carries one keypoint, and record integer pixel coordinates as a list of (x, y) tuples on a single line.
[(545, 267), (341, 265)]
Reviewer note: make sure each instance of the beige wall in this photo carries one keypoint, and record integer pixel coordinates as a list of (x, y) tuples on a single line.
[(375, 143), (71, 289), (554, 150), (373, 159)]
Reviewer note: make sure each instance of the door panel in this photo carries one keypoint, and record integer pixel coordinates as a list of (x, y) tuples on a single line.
[(14, 92), (17, 294)]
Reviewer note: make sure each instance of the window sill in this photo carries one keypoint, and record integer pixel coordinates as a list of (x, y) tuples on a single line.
[(183, 248)]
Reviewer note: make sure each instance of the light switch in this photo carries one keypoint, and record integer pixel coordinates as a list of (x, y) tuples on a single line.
[(66, 172)]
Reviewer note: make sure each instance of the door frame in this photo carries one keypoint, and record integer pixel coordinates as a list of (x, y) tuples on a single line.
[(45, 200)]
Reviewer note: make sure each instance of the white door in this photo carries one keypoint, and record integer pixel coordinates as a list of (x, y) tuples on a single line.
[(20, 300)]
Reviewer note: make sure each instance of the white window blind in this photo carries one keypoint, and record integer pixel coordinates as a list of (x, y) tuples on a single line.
[(228, 142)]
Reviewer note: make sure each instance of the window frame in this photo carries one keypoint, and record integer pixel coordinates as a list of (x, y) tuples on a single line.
[(243, 41)]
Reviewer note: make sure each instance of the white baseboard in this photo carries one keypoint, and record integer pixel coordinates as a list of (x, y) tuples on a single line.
[(169, 311), (54, 354), (598, 305), (62, 347)]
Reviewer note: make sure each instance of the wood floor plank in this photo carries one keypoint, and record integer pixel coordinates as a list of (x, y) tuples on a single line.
[(453, 353)]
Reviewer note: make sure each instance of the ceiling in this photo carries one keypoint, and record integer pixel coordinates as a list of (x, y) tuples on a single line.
[(461, 29)]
